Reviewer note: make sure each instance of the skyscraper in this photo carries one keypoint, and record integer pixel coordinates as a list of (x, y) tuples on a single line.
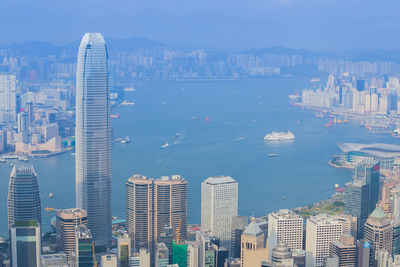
[(287, 227), (93, 136), (253, 249), (67, 221), (124, 250), (8, 99), (84, 248), (219, 203), (23, 200), (25, 244), (321, 230), (153, 204), (379, 232)]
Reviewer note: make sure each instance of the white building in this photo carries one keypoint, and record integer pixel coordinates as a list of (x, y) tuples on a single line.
[(8, 99), (109, 260), (287, 227), (219, 203), (321, 230)]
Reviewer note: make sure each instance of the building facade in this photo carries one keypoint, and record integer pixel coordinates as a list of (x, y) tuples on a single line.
[(25, 244), (23, 200), (219, 203), (8, 98), (93, 136)]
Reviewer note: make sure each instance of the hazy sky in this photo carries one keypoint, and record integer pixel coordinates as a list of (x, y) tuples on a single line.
[(310, 24)]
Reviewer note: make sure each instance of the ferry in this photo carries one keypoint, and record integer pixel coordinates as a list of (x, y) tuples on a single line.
[(314, 80), (126, 140), (279, 136), (2, 160), (195, 118), (10, 156), (23, 158), (126, 103), (114, 116), (51, 195), (396, 132), (165, 145), (129, 89), (272, 155), (48, 209)]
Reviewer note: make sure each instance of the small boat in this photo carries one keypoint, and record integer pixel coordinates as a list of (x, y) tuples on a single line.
[(283, 198), (23, 158), (195, 118), (165, 145), (114, 116), (2, 160), (177, 135), (48, 209), (272, 155), (51, 195), (126, 140)]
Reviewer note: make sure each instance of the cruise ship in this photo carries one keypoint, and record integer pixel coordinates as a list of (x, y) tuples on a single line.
[(279, 136)]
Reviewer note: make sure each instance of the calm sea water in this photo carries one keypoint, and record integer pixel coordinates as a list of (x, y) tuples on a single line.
[(241, 113)]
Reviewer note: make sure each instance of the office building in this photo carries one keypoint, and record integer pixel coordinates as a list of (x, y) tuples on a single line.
[(356, 204), (396, 238), (153, 204), (363, 253), (379, 232), (219, 203), (162, 255), (22, 121), (23, 200), (321, 230), (144, 258), (167, 237), (8, 98), (54, 260), (124, 250), (349, 223), (254, 251), (67, 221), (299, 257), (239, 223), (193, 254), (345, 250), (84, 248), (281, 253), (109, 260), (25, 244), (362, 194), (93, 136), (285, 227), (385, 259)]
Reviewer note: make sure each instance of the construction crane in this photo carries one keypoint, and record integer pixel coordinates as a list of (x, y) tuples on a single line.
[(94, 256)]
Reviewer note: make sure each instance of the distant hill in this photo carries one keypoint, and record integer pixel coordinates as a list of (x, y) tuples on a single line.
[(44, 49)]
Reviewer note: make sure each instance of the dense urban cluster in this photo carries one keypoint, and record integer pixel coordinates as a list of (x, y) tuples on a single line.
[(155, 231)]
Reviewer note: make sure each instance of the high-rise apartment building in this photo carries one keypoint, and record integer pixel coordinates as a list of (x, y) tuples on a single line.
[(219, 203), (287, 227), (153, 204), (67, 221), (379, 232), (321, 230), (162, 255), (25, 244), (109, 260), (8, 98), (23, 200), (93, 136), (54, 260)]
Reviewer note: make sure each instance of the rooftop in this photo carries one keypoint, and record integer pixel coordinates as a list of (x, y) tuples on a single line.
[(379, 150), (222, 179), (253, 229)]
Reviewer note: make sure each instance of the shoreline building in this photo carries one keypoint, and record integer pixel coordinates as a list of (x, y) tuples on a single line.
[(93, 136), (151, 205), (23, 201), (219, 204), (8, 98)]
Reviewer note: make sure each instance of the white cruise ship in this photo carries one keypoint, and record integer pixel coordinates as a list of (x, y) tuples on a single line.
[(279, 136)]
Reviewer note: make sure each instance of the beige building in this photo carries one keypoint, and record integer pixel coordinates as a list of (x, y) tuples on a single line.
[(253, 248), (153, 204), (379, 231), (285, 227), (66, 222), (321, 230), (349, 223)]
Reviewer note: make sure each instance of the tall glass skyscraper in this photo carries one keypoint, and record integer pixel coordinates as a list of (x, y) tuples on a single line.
[(23, 200), (93, 136)]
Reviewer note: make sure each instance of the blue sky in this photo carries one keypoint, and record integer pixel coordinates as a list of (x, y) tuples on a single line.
[(231, 24)]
